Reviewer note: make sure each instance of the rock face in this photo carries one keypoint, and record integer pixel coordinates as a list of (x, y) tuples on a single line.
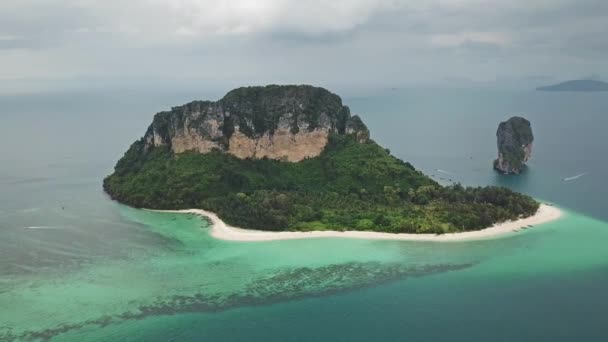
[(514, 140), (289, 123)]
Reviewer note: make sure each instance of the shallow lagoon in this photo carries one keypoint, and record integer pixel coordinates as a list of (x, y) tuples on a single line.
[(77, 266)]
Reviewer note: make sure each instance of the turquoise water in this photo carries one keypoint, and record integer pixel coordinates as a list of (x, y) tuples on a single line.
[(75, 266)]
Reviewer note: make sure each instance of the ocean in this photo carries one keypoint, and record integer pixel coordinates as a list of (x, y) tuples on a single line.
[(76, 266)]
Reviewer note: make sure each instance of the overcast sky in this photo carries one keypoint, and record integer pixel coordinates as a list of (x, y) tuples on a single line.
[(341, 42)]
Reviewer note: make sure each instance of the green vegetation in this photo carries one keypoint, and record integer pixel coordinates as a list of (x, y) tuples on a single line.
[(350, 186), (264, 106)]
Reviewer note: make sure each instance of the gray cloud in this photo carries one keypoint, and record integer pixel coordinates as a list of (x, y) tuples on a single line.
[(366, 42), (17, 43)]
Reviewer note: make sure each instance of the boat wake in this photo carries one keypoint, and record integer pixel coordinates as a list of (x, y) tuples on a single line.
[(41, 227), (567, 179), (444, 171)]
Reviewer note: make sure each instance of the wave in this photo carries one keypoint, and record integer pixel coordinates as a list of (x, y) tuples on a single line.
[(567, 179)]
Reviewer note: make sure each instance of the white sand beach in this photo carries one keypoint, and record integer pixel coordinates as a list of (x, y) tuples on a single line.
[(221, 230)]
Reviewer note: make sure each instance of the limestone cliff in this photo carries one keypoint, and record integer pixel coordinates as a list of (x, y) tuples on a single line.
[(514, 140), (277, 122)]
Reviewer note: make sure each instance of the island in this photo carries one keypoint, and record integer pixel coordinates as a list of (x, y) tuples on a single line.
[(514, 140), (292, 158), (577, 85)]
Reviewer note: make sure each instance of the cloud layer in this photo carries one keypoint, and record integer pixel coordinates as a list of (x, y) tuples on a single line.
[(341, 41)]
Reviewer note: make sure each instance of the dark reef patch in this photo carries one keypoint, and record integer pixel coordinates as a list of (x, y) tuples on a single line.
[(284, 285)]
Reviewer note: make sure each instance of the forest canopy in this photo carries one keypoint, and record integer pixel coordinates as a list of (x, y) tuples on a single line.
[(350, 186)]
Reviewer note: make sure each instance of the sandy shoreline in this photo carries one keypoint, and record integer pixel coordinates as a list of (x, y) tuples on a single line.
[(221, 230)]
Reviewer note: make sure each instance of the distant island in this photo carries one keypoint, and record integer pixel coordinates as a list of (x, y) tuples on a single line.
[(577, 85), (293, 158)]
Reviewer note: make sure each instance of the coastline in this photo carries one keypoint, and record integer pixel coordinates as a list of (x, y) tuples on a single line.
[(222, 231)]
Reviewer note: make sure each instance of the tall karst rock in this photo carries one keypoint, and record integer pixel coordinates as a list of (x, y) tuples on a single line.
[(288, 123), (514, 140)]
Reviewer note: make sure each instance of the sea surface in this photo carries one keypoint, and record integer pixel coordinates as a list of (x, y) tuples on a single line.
[(75, 266)]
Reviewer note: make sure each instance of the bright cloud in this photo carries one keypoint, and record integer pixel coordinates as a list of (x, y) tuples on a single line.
[(458, 39), (238, 17)]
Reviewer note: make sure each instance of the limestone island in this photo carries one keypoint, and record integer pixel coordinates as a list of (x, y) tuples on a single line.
[(577, 85), (514, 140), (292, 160)]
